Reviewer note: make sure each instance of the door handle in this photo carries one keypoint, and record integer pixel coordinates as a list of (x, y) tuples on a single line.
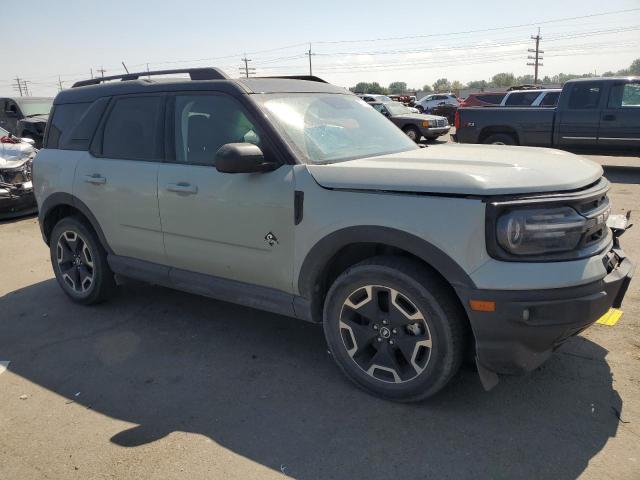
[(609, 118), (95, 178), (182, 187)]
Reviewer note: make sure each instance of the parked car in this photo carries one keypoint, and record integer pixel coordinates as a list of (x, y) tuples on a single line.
[(425, 104), (305, 202), (16, 187), (445, 110), (531, 98), (415, 125), (25, 117), (591, 112), (482, 99)]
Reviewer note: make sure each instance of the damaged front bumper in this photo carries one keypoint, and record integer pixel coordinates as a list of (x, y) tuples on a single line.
[(16, 192), (528, 325)]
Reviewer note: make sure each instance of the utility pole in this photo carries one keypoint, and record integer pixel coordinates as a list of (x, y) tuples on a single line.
[(59, 83), (125, 67), (247, 70), (148, 77), (537, 58), (101, 70), (309, 55), (91, 69), (18, 85)]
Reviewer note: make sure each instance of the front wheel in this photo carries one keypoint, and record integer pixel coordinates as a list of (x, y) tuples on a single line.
[(413, 133), (394, 328)]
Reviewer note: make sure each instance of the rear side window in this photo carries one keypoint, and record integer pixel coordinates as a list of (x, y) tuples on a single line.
[(624, 95), (523, 99), (132, 130), (65, 118), (496, 99), (584, 96), (550, 99)]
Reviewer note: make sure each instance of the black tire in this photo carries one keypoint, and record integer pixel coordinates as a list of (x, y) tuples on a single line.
[(413, 133), (500, 139), (422, 294), (80, 265), (420, 108)]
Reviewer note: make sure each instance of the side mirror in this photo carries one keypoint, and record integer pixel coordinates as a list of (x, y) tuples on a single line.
[(242, 158)]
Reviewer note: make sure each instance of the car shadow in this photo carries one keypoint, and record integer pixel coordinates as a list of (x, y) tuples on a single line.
[(264, 386)]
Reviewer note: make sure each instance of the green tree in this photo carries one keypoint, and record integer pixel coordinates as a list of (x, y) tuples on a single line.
[(366, 87), (503, 80), (524, 80), (456, 86), (397, 88), (634, 69), (427, 88), (442, 85)]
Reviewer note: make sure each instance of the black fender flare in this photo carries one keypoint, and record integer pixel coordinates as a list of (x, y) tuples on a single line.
[(322, 252), (61, 198)]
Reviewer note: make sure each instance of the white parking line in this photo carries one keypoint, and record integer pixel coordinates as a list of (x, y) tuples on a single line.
[(4, 364)]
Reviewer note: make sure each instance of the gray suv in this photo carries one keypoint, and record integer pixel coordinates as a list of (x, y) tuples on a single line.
[(296, 197)]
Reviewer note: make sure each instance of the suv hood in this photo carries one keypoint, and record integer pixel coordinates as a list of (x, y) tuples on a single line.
[(463, 170)]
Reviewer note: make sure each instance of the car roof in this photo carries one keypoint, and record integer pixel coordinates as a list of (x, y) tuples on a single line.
[(592, 79), (89, 93), (537, 90)]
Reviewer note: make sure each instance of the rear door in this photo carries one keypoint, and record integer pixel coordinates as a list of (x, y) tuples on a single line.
[(236, 226), (620, 119), (578, 117), (117, 180)]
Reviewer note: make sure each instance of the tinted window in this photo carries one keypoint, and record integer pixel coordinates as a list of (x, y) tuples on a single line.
[(65, 117), (550, 99), (624, 95), (584, 96), (131, 131), (203, 123), (496, 99), (522, 99)]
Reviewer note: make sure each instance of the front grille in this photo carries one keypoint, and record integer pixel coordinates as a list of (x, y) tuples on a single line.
[(441, 122)]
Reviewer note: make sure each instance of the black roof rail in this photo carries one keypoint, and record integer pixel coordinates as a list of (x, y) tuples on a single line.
[(208, 73), (309, 78)]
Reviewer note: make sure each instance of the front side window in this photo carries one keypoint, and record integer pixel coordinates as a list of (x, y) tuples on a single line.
[(326, 128), (204, 123), (584, 96), (624, 95), (132, 129)]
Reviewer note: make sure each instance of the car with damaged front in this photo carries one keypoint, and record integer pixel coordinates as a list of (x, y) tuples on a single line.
[(16, 187), (25, 117), (294, 196)]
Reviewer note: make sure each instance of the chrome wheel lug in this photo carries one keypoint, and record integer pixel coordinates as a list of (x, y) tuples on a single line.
[(379, 339), (375, 326), (395, 330), (384, 322), (391, 342)]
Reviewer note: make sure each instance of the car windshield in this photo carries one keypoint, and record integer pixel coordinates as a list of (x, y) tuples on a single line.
[(396, 108), (327, 128), (35, 107)]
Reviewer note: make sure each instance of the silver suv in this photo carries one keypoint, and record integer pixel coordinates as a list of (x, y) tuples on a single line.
[(294, 196)]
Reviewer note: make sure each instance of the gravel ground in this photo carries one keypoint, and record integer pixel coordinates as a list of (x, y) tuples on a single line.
[(161, 384)]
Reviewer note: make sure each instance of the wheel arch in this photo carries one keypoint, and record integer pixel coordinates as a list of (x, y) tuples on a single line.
[(60, 205), (343, 248), (495, 129)]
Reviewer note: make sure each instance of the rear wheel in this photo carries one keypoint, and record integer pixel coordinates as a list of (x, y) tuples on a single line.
[(80, 262), (500, 139), (394, 328), (412, 133)]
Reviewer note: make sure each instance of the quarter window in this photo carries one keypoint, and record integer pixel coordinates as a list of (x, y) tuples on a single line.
[(523, 99), (203, 123), (65, 117), (584, 96), (132, 129), (550, 99)]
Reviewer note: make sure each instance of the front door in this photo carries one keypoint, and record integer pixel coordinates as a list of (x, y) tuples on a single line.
[(119, 181), (234, 226), (579, 119), (620, 120)]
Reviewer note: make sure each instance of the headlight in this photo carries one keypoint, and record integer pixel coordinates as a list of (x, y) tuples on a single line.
[(425, 124), (537, 231)]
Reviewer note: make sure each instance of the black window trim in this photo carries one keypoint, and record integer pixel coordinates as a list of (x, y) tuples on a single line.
[(97, 142), (598, 104)]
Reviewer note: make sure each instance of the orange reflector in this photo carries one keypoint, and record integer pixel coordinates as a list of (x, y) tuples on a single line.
[(482, 305)]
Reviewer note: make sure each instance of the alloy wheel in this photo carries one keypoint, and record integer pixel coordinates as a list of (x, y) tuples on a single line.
[(75, 262), (385, 334)]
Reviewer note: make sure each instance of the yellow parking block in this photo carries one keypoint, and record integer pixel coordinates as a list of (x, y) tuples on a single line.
[(610, 318)]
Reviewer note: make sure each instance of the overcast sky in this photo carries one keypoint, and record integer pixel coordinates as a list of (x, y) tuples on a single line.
[(352, 41)]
